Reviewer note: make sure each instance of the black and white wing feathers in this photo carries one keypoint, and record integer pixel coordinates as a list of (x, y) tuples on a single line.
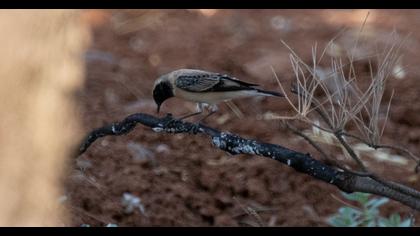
[(199, 81)]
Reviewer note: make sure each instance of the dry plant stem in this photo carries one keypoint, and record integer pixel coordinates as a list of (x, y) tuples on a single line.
[(342, 141), (251, 212), (234, 144), (81, 211), (365, 172), (393, 147), (350, 151), (324, 156), (336, 133), (235, 109), (345, 203), (393, 185)]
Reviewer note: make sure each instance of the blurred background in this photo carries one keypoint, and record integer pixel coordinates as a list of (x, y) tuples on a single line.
[(151, 179), (41, 68)]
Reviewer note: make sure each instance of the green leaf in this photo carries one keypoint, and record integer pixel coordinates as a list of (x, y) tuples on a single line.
[(369, 215), (362, 198), (349, 212), (371, 223), (111, 225), (346, 217), (376, 202), (355, 223), (383, 222), (405, 223), (337, 222), (395, 219)]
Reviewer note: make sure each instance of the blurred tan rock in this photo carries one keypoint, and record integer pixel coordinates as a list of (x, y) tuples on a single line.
[(41, 67)]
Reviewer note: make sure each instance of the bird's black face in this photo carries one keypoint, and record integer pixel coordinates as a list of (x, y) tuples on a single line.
[(161, 92)]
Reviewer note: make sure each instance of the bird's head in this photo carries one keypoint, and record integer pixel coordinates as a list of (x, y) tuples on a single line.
[(162, 91)]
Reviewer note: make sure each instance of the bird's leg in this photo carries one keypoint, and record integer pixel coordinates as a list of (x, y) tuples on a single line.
[(213, 109), (189, 115), (196, 126), (168, 120), (199, 111)]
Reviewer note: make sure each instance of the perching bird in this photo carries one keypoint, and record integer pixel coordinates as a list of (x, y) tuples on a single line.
[(203, 87)]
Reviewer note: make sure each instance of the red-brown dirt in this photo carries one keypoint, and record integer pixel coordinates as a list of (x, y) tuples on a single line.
[(182, 180)]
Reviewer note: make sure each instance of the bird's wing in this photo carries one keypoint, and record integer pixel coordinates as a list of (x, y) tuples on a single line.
[(196, 82), (235, 82), (211, 82)]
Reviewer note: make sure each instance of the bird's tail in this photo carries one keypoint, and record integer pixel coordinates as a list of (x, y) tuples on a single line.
[(269, 93)]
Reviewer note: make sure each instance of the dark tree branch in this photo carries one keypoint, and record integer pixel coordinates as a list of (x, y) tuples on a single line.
[(233, 144), (339, 133), (383, 146), (327, 160)]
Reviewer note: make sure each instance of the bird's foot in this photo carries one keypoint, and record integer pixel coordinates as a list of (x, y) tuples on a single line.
[(195, 128), (172, 124), (168, 120)]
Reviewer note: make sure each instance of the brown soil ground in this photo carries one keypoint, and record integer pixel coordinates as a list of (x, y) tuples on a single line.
[(182, 180)]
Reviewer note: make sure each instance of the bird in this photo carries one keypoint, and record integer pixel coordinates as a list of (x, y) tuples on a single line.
[(205, 88)]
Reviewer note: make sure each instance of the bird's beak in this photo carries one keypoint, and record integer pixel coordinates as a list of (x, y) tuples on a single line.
[(158, 108)]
